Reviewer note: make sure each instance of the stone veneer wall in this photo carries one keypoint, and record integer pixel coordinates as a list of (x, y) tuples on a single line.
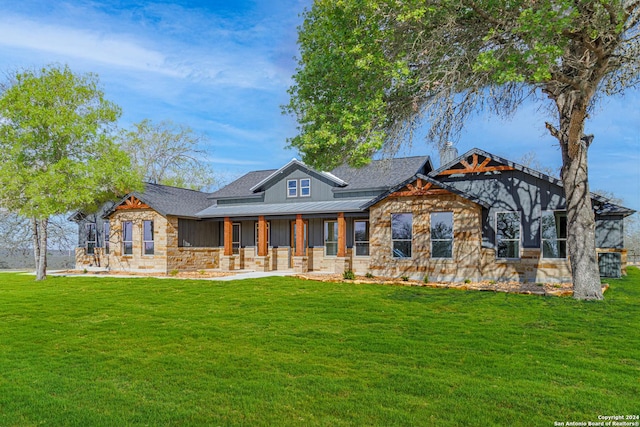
[(467, 238), (162, 228)]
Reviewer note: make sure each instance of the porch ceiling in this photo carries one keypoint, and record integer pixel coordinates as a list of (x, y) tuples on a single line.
[(351, 205)]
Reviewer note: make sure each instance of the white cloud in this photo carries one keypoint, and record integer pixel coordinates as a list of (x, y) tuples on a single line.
[(111, 49)]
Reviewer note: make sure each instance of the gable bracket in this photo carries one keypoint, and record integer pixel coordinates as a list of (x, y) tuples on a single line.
[(476, 167), (132, 202)]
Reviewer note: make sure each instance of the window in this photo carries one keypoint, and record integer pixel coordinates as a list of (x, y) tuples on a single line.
[(92, 238), (235, 239), (401, 234), (127, 238), (442, 235), (305, 187), (106, 237), (361, 237), (268, 234), (331, 238), (292, 188), (508, 234), (147, 237), (554, 234)]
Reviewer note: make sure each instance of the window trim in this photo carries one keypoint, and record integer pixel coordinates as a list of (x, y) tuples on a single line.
[(393, 254), (89, 226), (355, 241), (558, 239), (306, 186), (289, 196), (152, 241), (441, 240), (124, 242), (519, 239), (324, 236)]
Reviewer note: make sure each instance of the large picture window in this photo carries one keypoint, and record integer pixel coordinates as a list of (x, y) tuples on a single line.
[(508, 234), (442, 235), (92, 238), (554, 234), (361, 237), (331, 238), (147, 238), (401, 234), (127, 238)]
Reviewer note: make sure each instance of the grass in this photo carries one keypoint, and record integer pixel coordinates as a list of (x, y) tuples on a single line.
[(283, 351)]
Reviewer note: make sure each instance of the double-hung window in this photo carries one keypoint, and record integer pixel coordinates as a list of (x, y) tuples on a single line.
[(127, 238), (147, 237), (331, 238), (442, 235), (508, 234), (361, 237), (292, 188), (401, 234), (92, 238), (305, 187), (299, 187), (554, 234)]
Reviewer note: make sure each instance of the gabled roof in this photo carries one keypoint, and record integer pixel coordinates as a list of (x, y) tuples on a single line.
[(293, 164), (601, 205), (430, 180), (382, 174), (377, 175), (167, 200), (241, 187)]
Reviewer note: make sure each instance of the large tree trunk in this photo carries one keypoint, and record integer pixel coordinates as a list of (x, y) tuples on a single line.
[(581, 242), (39, 229)]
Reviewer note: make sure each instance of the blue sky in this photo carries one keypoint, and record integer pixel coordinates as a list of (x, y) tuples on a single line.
[(223, 68)]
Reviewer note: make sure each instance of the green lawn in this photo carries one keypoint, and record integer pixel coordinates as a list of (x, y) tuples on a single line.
[(282, 351)]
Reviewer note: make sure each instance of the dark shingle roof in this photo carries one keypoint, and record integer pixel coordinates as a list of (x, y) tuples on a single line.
[(241, 187), (384, 173), (379, 174), (168, 200)]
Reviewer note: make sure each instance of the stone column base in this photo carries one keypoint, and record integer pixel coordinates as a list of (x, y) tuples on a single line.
[(300, 264), (228, 262), (341, 265), (262, 263)]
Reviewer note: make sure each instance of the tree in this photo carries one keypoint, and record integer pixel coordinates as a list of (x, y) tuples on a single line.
[(373, 71), (56, 150), (168, 154)]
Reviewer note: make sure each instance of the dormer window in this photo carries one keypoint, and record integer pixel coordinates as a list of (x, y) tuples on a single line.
[(292, 188), (299, 187), (305, 187)]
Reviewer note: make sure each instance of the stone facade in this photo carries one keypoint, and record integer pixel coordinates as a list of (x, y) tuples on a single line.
[(467, 234)]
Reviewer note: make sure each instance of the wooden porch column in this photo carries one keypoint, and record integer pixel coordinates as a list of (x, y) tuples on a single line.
[(299, 236), (262, 236), (342, 235), (228, 236)]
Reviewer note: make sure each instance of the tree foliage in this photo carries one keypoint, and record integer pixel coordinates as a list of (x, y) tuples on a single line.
[(168, 153), (372, 71), (57, 152)]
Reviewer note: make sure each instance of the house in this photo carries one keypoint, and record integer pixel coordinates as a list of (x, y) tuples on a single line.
[(477, 216)]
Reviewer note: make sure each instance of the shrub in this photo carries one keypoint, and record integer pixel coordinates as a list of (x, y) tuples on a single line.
[(349, 275), (369, 275), (405, 278), (174, 272)]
